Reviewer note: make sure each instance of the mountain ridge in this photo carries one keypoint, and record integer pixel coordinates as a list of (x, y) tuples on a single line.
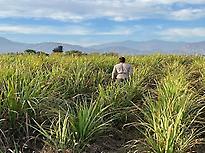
[(121, 47)]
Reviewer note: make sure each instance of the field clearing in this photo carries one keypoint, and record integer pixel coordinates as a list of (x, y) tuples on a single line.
[(69, 104)]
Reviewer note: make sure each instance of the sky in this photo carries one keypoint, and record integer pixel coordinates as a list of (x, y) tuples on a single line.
[(91, 22)]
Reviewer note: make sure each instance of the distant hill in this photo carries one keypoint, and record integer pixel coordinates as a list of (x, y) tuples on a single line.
[(124, 47), (11, 46), (144, 47)]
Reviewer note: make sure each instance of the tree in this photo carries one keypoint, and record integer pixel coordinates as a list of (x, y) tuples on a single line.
[(30, 51), (58, 49)]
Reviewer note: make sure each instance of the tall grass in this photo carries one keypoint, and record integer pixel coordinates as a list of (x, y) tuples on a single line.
[(75, 126), (169, 119), (43, 93)]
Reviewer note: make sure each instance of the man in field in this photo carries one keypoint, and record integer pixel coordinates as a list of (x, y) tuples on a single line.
[(122, 71)]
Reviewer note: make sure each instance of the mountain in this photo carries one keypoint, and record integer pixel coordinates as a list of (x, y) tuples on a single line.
[(197, 47), (11, 46), (124, 47), (49, 46), (144, 47)]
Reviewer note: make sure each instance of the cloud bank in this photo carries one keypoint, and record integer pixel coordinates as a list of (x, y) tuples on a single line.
[(117, 10)]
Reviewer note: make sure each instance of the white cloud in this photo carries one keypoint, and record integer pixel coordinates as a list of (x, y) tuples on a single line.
[(174, 1), (188, 14), (77, 10), (67, 30), (180, 33), (22, 29)]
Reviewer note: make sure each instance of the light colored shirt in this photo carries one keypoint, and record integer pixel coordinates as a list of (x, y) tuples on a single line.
[(122, 71)]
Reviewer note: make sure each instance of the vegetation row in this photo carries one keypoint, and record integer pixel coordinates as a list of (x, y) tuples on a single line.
[(62, 103)]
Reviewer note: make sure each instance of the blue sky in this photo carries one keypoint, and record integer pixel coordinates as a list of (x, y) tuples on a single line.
[(90, 22)]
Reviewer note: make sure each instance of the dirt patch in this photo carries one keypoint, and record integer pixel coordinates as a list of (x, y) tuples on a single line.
[(113, 142)]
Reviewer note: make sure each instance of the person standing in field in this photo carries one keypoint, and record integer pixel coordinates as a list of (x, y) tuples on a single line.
[(122, 71)]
